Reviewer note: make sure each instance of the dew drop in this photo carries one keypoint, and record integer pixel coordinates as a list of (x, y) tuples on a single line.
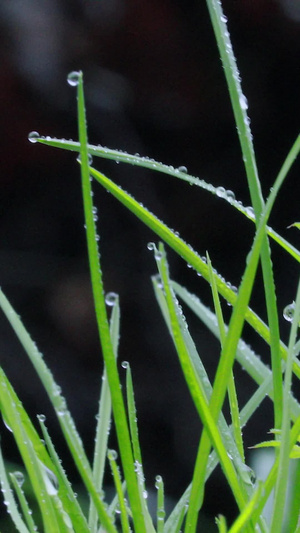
[(41, 418), (220, 191), (6, 424), (125, 364), (111, 298), (112, 455), (19, 478), (288, 312), (33, 136), (183, 169), (73, 78), (223, 18), (151, 246), (230, 195), (158, 482), (250, 211), (243, 102)]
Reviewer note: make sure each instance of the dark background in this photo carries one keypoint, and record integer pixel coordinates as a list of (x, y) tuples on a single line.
[(154, 85)]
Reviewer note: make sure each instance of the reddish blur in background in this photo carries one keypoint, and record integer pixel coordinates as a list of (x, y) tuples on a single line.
[(154, 85)]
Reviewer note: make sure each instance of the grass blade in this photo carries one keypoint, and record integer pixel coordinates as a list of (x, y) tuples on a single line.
[(102, 322), (10, 500), (104, 417)]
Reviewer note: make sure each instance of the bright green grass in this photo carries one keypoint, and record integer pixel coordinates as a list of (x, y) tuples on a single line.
[(58, 508)]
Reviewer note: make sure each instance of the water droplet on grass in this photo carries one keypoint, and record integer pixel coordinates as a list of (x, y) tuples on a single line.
[(151, 246), (33, 136), (111, 298), (19, 478), (243, 102), (112, 455), (41, 418), (230, 195), (220, 191), (73, 78), (125, 364), (288, 312), (182, 169)]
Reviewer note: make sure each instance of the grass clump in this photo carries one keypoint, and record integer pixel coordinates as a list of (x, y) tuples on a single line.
[(220, 442)]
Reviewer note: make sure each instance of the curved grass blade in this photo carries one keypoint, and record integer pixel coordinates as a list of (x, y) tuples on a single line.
[(144, 162)]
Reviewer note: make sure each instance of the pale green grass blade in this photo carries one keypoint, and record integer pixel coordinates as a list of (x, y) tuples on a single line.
[(132, 416), (112, 455), (198, 481), (10, 499), (226, 432), (195, 387), (104, 416), (118, 407), (38, 465), (59, 403), (294, 511), (66, 494), (282, 477), (27, 513), (245, 355), (160, 507)]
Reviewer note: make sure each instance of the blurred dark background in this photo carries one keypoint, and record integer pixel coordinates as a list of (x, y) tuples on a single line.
[(154, 85)]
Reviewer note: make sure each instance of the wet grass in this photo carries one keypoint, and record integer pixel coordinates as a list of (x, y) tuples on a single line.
[(220, 442)]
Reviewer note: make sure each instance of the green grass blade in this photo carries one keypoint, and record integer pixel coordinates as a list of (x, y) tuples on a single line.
[(59, 403), (112, 455), (207, 388), (232, 395), (35, 458), (132, 415), (66, 494), (282, 478), (246, 515), (245, 355), (10, 500), (104, 417), (187, 253), (27, 513), (195, 387), (228, 196), (102, 322)]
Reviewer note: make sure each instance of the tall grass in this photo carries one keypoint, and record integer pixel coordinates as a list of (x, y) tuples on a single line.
[(58, 508)]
